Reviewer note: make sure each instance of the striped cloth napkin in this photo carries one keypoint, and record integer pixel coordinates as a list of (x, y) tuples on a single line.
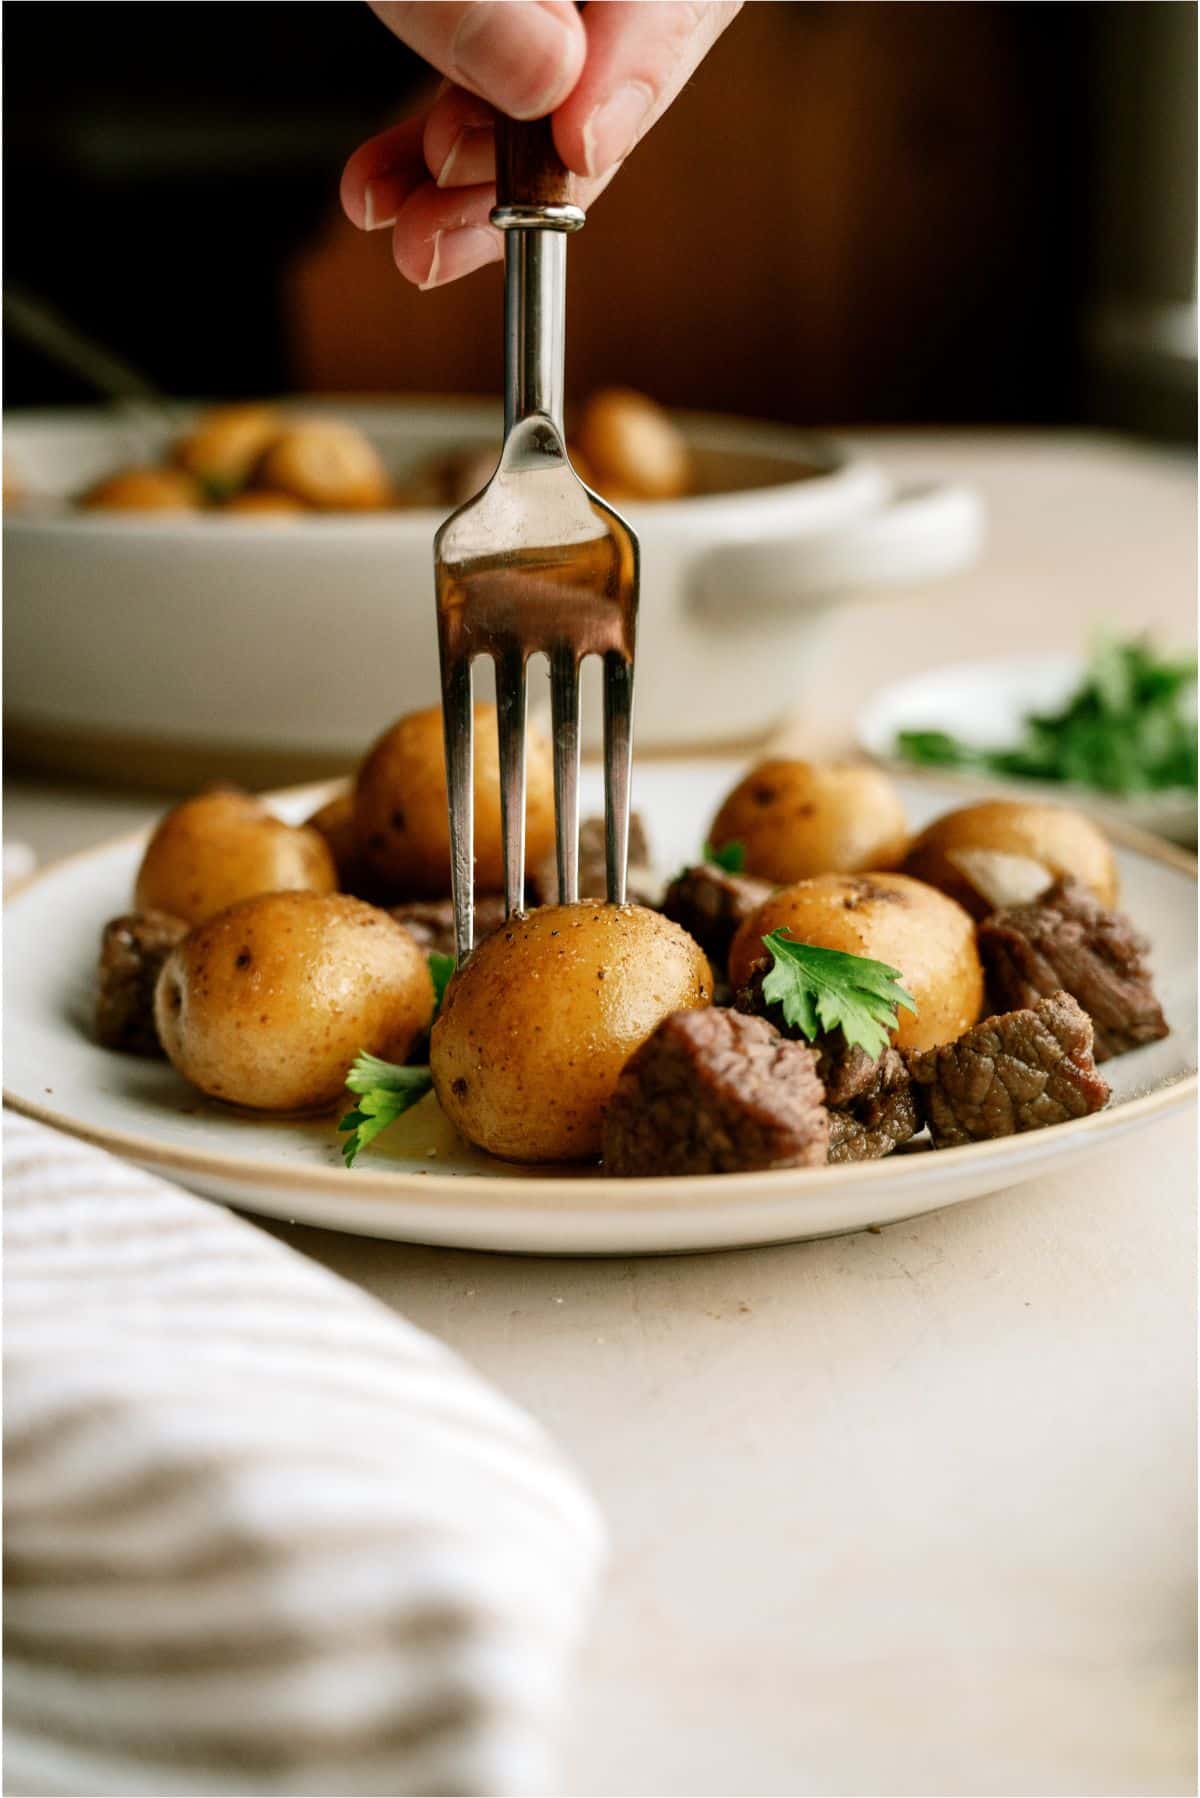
[(261, 1535)]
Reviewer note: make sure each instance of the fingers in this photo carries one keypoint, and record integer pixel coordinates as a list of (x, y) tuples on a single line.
[(453, 142), (443, 233), (382, 173), (638, 58), (459, 143), (433, 178), (524, 56)]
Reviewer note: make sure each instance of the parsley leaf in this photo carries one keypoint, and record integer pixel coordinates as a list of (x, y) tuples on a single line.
[(1130, 727), (825, 989), (386, 1090), (731, 857), (440, 968)]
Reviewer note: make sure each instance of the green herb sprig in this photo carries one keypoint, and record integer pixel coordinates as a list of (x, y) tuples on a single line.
[(385, 1090), (1129, 728), (826, 989), (731, 857), (440, 968)]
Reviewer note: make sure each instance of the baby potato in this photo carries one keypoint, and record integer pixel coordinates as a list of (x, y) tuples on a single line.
[(326, 463), (335, 822), (268, 1004), (796, 819), (469, 472), (145, 490), (265, 504), (222, 448), (537, 1024), (886, 917), (400, 804), (632, 446), (211, 851), (583, 468), (981, 854)]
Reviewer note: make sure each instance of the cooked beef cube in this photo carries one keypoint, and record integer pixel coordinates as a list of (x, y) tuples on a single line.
[(1066, 941), (880, 1111), (875, 1125), (1020, 1071), (712, 1092), (133, 949), (643, 886), (431, 921), (711, 904), (847, 1073), (751, 1000), (850, 1074)]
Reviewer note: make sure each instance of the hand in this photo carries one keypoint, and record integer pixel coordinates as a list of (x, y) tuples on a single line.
[(605, 75)]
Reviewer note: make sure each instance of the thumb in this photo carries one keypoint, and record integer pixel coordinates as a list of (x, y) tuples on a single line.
[(524, 56)]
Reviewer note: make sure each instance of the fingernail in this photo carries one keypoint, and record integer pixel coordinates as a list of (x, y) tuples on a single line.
[(490, 54), (613, 128), (458, 252), (375, 203), (469, 158)]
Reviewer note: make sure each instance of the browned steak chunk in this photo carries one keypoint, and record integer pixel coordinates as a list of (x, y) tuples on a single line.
[(1020, 1071), (1066, 941), (879, 1116), (431, 921), (711, 904), (712, 1092), (133, 949), (872, 1128), (643, 886), (847, 1073)]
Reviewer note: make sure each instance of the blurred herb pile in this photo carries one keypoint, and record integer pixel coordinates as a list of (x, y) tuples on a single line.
[(1129, 728)]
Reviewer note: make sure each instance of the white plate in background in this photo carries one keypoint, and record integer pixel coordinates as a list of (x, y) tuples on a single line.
[(421, 1183), (985, 704)]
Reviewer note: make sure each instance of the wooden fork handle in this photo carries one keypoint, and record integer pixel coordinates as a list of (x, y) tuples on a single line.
[(529, 170), (534, 188)]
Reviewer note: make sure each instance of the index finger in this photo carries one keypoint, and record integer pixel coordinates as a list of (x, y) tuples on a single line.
[(524, 56)]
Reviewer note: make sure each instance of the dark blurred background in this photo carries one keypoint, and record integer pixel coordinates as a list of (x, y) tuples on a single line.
[(855, 213)]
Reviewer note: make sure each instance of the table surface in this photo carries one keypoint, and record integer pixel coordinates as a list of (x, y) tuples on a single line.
[(901, 1513)]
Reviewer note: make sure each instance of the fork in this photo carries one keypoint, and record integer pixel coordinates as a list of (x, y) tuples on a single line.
[(536, 563)]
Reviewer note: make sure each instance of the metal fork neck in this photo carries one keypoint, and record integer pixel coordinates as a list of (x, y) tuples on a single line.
[(535, 284)]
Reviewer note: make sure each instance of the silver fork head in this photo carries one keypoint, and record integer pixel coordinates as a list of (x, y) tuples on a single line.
[(564, 584)]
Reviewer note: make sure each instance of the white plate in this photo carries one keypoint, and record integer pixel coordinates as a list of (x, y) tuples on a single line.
[(985, 704), (421, 1184)]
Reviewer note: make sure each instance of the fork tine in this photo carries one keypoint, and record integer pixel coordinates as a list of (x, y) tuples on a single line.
[(459, 721), (618, 750), (510, 708), (564, 712)]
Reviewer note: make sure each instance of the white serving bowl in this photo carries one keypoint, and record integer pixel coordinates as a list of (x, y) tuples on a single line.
[(152, 646)]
